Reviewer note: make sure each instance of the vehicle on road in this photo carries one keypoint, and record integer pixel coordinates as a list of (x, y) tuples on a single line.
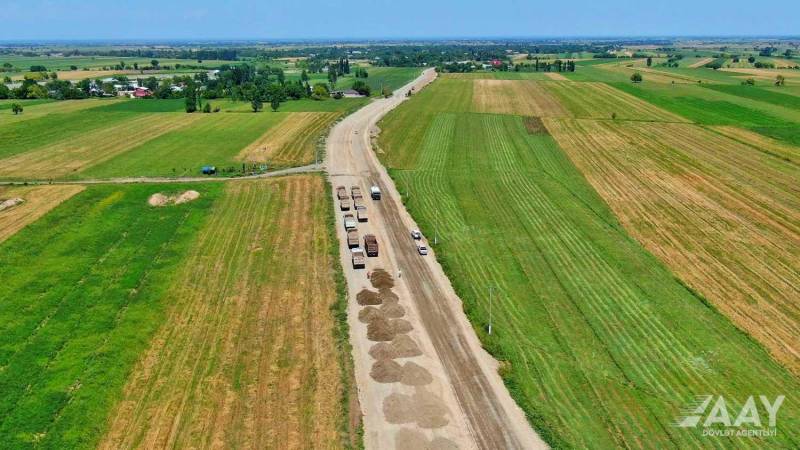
[(350, 222), (355, 191), (361, 214), (341, 192), (344, 204), (358, 203), (416, 235), (375, 192), (422, 249), (352, 239), (358, 258), (371, 243)]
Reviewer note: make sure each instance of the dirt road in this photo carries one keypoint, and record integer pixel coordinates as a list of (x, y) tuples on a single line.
[(479, 410)]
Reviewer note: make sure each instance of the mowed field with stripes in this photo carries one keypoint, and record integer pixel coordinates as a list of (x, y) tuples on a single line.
[(96, 138), (633, 260)]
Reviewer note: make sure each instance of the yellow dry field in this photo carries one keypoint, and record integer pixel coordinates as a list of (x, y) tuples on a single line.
[(556, 76), (523, 97), (700, 63), (724, 216), (651, 75), (38, 201), (64, 106), (71, 156), (764, 74), (247, 357), (293, 140), (761, 142), (594, 100), (74, 75)]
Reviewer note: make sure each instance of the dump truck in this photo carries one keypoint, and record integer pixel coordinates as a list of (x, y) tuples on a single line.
[(355, 191), (350, 222), (361, 214), (371, 243), (359, 203), (357, 255), (375, 192), (341, 192), (352, 239), (344, 204)]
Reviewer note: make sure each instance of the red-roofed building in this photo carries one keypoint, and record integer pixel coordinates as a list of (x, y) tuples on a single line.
[(140, 92)]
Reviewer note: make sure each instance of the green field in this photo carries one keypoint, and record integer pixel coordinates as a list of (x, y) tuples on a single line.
[(604, 346), (119, 138), (53, 63), (75, 321)]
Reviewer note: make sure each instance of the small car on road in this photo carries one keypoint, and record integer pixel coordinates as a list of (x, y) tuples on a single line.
[(416, 235)]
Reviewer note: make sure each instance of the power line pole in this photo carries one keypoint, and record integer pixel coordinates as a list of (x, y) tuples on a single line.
[(491, 292)]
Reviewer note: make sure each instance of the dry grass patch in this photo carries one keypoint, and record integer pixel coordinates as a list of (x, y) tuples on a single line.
[(293, 140), (74, 155), (37, 201), (246, 358), (522, 97), (599, 101), (761, 142), (556, 76), (700, 63), (724, 216)]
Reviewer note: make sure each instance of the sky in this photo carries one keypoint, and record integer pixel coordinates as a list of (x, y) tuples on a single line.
[(376, 19)]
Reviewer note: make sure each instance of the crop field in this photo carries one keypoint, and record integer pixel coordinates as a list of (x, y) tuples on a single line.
[(63, 63), (294, 139), (599, 101), (248, 358), (37, 201), (34, 109), (516, 97), (202, 324), (602, 345), (723, 215), (121, 138)]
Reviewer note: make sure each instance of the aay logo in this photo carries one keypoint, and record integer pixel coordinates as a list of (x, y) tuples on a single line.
[(722, 419)]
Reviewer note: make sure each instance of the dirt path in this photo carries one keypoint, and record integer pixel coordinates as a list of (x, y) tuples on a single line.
[(131, 180), (464, 403)]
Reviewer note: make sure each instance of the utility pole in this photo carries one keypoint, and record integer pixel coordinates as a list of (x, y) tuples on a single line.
[(491, 292)]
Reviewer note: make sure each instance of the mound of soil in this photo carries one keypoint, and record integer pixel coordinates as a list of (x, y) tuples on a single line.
[(379, 329), (422, 408), (415, 375), (368, 314), (383, 350), (401, 326), (381, 279), (386, 371), (367, 297), (159, 199), (392, 310), (405, 347), (10, 203), (387, 295), (187, 197), (408, 438)]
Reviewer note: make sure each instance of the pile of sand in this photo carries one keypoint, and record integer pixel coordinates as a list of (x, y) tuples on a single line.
[(367, 297), (387, 295), (159, 199), (415, 375), (379, 329), (369, 314), (392, 310), (380, 279), (386, 371), (402, 346), (422, 408), (10, 203), (400, 326)]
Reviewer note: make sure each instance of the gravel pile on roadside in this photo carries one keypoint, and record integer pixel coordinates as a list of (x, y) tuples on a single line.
[(392, 310), (401, 326), (379, 329), (381, 279), (368, 314), (415, 375), (367, 297), (386, 371)]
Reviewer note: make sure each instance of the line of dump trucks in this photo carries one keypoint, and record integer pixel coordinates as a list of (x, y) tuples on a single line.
[(350, 221)]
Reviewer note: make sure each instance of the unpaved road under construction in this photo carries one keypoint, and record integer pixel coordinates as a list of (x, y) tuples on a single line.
[(466, 404)]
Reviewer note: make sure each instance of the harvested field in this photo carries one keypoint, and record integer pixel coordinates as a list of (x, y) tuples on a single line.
[(722, 214), (700, 63), (599, 100), (761, 142), (66, 157), (37, 201), (56, 107), (526, 98), (764, 74), (246, 358), (556, 76), (294, 140)]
